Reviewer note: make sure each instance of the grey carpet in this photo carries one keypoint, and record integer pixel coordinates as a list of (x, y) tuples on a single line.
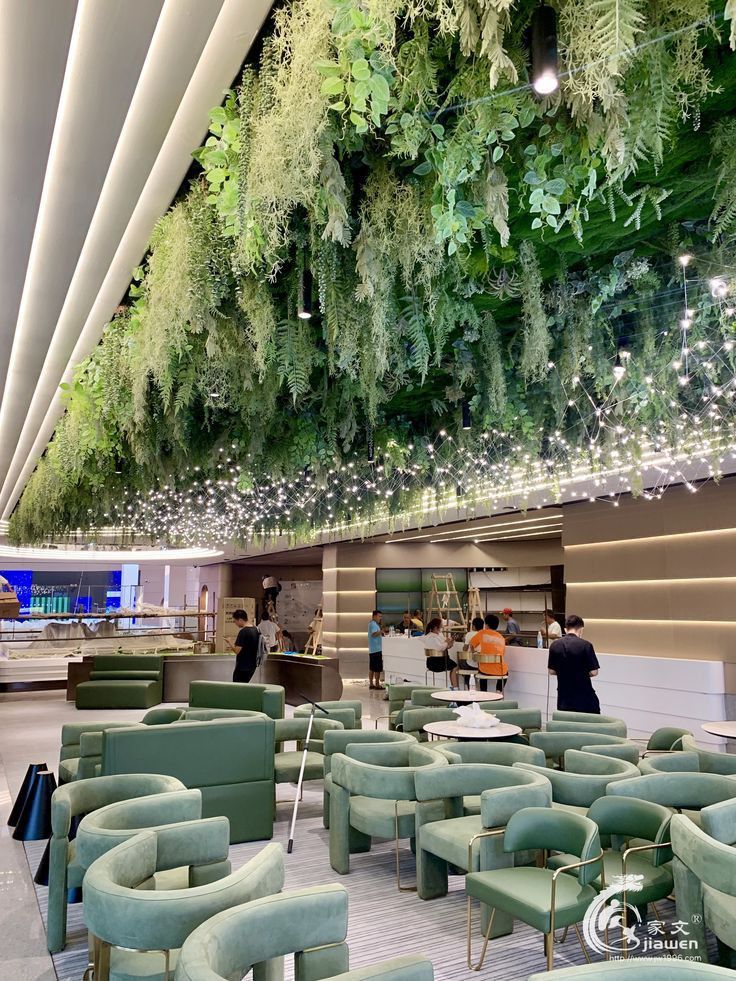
[(383, 922)]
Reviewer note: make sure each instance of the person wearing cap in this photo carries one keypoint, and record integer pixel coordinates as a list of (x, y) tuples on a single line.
[(512, 630)]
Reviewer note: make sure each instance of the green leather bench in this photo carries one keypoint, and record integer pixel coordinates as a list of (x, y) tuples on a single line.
[(122, 681), (230, 760)]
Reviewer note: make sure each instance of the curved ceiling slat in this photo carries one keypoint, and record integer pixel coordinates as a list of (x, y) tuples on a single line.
[(195, 51)]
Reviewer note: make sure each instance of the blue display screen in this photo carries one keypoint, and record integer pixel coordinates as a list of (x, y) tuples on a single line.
[(20, 580)]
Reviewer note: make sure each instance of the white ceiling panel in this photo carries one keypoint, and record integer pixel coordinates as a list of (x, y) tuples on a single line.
[(152, 70)]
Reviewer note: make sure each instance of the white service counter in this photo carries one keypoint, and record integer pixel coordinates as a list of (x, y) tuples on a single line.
[(646, 692)]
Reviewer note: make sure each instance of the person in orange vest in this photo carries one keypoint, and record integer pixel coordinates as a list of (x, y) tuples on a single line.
[(490, 646)]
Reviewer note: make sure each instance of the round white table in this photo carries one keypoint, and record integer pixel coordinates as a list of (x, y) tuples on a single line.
[(467, 696), (726, 729), (455, 730)]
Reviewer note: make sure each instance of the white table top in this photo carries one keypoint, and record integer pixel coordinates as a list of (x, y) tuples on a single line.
[(467, 696), (727, 729), (454, 730)]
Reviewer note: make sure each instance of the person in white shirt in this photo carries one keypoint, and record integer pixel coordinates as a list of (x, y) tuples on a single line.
[(466, 662), (270, 631), (550, 630), (436, 647)]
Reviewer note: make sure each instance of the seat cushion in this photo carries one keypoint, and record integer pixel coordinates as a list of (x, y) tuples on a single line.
[(287, 766), (656, 882), (449, 839), (525, 893), (375, 817)]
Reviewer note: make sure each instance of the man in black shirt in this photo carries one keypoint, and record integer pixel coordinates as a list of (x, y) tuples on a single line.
[(245, 648), (573, 662)]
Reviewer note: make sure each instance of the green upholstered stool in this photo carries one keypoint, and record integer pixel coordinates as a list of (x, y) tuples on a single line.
[(122, 681), (373, 796), (125, 921), (269, 699), (640, 969), (705, 887), (584, 779), (71, 801), (230, 760), (311, 924), (460, 843), (340, 741), (543, 898)]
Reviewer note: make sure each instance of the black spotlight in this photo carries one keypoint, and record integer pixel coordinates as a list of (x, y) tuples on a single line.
[(305, 296), (467, 420), (544, 51)]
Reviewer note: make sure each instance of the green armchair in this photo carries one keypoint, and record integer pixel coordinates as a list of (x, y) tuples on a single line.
[(584, 779), (705, 888), (230, 760), (680, 790), (675, 762), (666, 739), (498, 752), (592, 718), (708, 760), (129, 925), (268, 699), (68, 802), (543, 898), (287, 763), (719, 821), (122, 681), (70, 753), (613, 728), (162, 716), (373, 796), (338, 741), (556, 744), (461, 843), (628, 751), (350, 713), (311, 924)]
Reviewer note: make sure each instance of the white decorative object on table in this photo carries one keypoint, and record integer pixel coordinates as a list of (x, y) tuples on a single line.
[(474, 717)]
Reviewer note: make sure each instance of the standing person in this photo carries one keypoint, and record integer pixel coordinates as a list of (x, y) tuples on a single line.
[(245, 648), (549, 631), (466, 663), (436, 648), (269, 631), (573, 662), (271, 590), (375, 652), (490, 646), (511, 630)]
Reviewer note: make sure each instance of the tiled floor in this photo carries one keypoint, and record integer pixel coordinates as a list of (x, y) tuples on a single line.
[(30, 726)]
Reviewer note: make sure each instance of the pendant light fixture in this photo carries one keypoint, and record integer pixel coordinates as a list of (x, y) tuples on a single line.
[(545, 79)]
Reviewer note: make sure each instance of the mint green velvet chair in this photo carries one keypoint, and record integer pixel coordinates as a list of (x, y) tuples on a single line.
[(70, 801), (287, 763), (413, 720), (640, 847), (339, 741), (310, 923), (584, 779), (530, 720), (555, 744), (461, 843), (132, 927), (230, 760), (350, 713), (666, 739), (613, 728), (719, 821), (708, 760), (212, 714), (269, 699), (71, 746), (681, 790), (628, 750), (122, 681), (676, 762), (497, 752), (592, 718), (705, 888), (398, 697), (543, 898), (373, 796), (640, 969)]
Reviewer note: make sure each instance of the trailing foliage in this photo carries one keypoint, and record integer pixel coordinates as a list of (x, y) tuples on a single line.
[(457, 233)]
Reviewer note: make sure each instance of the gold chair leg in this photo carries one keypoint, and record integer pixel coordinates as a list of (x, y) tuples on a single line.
[(563, 938), (167, 965), (486, 938), (582, 945), (102, 964), (550, 949), (657, 913)]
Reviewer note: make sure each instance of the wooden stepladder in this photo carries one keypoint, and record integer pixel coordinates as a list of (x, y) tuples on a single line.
[(444, 601), (474, 605), (314, 643)]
